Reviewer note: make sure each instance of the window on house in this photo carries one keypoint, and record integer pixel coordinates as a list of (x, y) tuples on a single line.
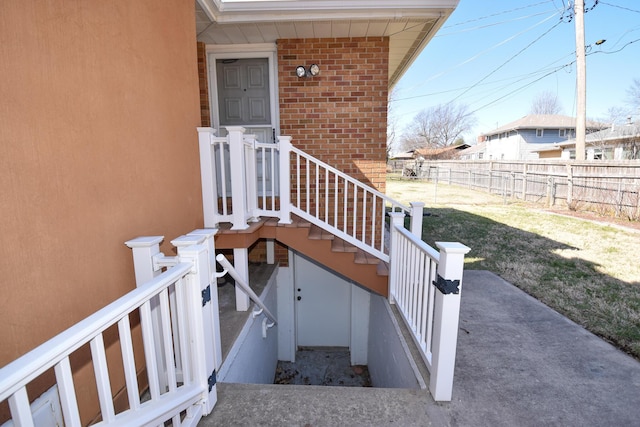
[(480, 156), (539, 133), (562, 133)]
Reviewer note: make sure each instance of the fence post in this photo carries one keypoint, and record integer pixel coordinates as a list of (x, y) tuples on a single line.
[(397, 220), (285, 179), (144, 250), (238, 177), (200, 313), (524, 182), (569, 185), (446, 318), (417, 212), (550, 191), (435, 185), (208, 176)]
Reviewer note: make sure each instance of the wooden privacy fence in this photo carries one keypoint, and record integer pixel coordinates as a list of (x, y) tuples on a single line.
[(608, 188)]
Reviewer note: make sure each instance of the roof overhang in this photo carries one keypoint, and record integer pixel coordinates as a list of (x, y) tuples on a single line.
[(409, 24)]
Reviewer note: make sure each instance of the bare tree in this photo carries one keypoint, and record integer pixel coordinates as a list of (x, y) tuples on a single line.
[(546, 103), (392, 123), (438, 126), (633, 94)]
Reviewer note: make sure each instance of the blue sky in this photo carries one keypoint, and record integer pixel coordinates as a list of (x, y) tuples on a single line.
[(497, 56)]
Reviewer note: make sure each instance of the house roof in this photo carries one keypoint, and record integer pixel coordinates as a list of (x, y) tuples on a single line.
[(427, 152), (625, 131), (540, 121), (409, 24), (478, 148)]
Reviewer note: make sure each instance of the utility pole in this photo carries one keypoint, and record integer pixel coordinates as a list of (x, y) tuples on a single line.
[(581, 81)]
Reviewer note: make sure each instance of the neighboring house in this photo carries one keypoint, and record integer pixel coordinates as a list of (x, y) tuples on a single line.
[(100, 105), (525, 138), (475, 152), (619, 142)]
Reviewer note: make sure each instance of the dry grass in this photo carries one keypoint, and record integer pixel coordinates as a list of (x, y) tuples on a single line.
[(586, 270)]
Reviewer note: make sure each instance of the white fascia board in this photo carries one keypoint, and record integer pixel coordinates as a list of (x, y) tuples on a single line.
[(277, 10)]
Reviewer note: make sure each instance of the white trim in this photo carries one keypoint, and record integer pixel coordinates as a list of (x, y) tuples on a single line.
[(222, 11), (262, 50)]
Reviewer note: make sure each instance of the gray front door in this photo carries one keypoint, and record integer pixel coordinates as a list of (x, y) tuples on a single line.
[(243, 96)]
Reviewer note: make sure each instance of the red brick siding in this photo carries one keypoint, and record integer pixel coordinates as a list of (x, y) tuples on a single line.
[(205, 112), (340, 115)]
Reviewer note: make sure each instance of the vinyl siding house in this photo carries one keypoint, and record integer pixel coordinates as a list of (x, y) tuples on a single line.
[(527, 137), (618, 142), (105, 105)]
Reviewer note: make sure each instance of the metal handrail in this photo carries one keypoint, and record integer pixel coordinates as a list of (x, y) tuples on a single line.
[(224, 262)]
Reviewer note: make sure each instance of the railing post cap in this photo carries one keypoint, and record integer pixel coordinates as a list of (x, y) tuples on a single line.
[(207, 232), (453, 247), (416, 204), (144, 241), (188, 240), (206, 130), (284, 138), (235, 129)]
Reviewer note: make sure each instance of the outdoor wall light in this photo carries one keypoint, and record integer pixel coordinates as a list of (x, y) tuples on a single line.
[(313, 70)]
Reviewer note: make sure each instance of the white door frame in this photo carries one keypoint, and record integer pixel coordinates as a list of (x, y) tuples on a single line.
[(237, 51)]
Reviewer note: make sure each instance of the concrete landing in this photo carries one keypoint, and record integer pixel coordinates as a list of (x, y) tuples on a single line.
[(308, 405), (519, 363), (325, 366)]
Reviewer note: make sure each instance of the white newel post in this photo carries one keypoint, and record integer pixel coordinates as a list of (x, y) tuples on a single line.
[(397, 220), (417, 212), (144, 250), (209, 242), (208, 176), (446, 318), (251, 180), (285, 179), (201, 322), (241, 264), (238, 177)]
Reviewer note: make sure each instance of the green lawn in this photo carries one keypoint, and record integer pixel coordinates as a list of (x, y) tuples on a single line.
[(587, 270)]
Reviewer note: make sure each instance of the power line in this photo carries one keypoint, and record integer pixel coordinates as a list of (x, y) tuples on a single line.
[(497, 14), (520, 18), (620, 7), (507, 61), (473, 58)]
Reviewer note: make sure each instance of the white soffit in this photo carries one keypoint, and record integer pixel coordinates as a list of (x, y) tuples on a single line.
[(409, 24)]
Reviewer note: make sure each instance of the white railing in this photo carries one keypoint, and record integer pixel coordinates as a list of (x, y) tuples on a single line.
[(180, 395), (425, 286), (240, 282), (334, 201), (275, 180)]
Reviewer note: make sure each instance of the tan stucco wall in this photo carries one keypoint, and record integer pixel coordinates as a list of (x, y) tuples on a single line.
[(99, 104)]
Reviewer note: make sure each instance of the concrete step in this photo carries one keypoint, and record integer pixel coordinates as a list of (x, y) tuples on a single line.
[(317, 233), (306, 405), (339, 245)]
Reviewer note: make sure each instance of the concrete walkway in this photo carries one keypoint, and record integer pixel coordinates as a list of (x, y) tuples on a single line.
[(519, 363)]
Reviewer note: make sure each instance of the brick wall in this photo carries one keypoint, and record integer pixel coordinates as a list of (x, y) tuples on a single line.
[(205, 112), (340, 115)]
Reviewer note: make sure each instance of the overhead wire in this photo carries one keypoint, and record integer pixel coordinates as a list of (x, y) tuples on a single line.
[(567, 9), (507, 61), (478, 55)]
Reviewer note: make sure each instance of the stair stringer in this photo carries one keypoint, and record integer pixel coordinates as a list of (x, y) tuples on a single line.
[(343, 263)]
